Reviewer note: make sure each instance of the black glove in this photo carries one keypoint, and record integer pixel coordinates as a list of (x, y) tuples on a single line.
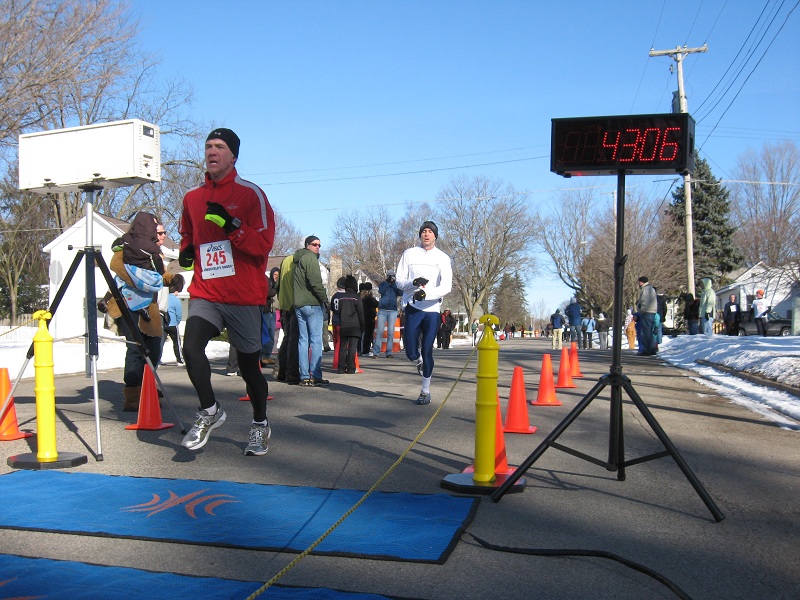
[(102, 307), (186, 258), (216, 213), (420, 281), (419, 295)]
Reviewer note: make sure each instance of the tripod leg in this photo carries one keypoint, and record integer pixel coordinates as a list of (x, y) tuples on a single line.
[(560, 428), (7, 399), (662, 436), (99, 455), (92, 346), (616, 442)]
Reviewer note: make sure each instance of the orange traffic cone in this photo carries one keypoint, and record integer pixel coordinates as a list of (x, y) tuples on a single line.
[(358, 368), (149, 409), (564, 371), (500, 460), (517, 412), (575, 368), (9, 430), (547, 392)]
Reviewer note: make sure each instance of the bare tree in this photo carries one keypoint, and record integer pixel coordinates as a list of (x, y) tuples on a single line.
[(653, 247), (288, 238), (24, 228), (366, 240), (45, 43), (766, 206), (486, 229), (67, 63), (580, 238), (540, 313), (562, 234), (72, 63)]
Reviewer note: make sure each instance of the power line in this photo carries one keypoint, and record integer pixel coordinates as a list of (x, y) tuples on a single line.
[(753, 70), (489, 164), (384, 164)]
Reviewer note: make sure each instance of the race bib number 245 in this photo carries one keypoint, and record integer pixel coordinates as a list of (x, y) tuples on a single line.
[(217, 259)]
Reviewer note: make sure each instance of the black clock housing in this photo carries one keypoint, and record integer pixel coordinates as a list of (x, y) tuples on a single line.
[(633, 144)]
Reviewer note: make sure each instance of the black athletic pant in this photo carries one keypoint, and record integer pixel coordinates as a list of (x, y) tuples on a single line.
[(198, 333)]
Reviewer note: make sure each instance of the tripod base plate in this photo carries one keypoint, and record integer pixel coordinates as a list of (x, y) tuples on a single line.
[(29, 460), (463, 483)]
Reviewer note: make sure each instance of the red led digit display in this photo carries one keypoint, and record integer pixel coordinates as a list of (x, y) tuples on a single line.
[(635, 144)]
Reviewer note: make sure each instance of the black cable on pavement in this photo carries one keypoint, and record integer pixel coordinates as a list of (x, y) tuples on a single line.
[(591, 553)]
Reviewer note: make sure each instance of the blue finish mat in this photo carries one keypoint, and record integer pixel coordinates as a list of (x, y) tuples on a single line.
[(390, 526), (67, 580)]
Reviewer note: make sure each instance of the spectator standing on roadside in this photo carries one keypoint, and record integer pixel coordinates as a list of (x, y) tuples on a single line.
[(387, 310), (630, 329), (557, 321), (269, 316), (340, 283), (573, 314), (761, 313), (587, 328), (288, 359), (309, 298), (448, 324), (602, 331), (151, 330), (731, 315), (691, 313), (174, 315), (661, 309), (646, 307), (370, 306), (708, 305), (349, 311)]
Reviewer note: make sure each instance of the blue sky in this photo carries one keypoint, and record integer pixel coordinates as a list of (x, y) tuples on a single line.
[(345, 104)]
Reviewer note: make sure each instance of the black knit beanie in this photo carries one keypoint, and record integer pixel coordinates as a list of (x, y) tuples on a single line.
[(432, 226), (227, 136)]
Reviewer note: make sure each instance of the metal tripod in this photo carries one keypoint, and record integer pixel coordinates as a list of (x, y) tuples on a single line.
[(616, 445), (93, 257)]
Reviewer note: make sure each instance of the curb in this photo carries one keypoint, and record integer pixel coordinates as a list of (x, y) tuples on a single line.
[(789, 389)]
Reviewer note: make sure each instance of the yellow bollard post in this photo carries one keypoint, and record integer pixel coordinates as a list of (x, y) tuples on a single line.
[(47, 456), (483, 479), (486, 401), (45, 389)]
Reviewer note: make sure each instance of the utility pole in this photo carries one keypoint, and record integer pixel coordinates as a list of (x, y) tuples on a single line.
[(678, 54)]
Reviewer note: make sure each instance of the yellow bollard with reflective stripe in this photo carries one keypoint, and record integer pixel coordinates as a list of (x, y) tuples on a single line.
[(486, 401), (45, 389)]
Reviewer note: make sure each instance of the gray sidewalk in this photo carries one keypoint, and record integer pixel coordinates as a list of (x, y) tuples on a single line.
[(348, 434)]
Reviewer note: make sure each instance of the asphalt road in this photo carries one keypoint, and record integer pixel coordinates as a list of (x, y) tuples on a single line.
[(348, 434)]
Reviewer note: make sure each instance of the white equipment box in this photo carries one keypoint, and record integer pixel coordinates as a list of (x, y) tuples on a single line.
[(116, 154)]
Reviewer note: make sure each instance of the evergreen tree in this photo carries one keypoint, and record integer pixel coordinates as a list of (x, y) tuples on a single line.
[(714, 252), (509, 300)]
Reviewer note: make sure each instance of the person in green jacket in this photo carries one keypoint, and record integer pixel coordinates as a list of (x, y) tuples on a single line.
[(708, 306), (288, 365), (309, 298)]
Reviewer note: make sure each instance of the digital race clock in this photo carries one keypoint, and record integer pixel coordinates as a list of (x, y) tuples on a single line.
[(635, 144)]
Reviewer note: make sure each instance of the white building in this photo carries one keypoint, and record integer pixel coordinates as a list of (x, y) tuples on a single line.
[(70, 317), (777, 283)]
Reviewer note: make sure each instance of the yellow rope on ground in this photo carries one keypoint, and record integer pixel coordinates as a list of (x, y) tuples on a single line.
[(18, 327), (369, 492)]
